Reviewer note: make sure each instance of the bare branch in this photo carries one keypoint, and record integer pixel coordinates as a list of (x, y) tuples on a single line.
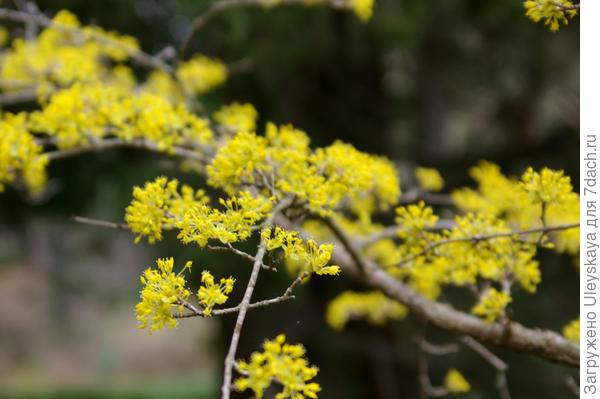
[(219, 312), (438, 350), (231, 249), (573, 385), (543, 343), (98, 222), (119, 143), (34, 16), (18, 97), (500, 366), (416, 195), (346, 242), (426, 388)]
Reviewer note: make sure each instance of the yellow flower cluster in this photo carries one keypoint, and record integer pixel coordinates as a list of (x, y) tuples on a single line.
[(374, 307), (324, 179), (81, 114), (429, 179), (571, 330), (362, 8), (211, 294), (201, 74), (282, 363), (553, 12), (356, 175), (158, 205), (64, 53), (479, 247), (547, 186), (20, 156), (414, 220), (308, 255), (491, 259), (492, 304), (538, 197), (200, 224), (237, 161), (163, 290), (237, 117), (455, 382)]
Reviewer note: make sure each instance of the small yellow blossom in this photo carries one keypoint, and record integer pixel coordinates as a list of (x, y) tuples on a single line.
[(3, 36), (455, 382), (201, 223), (429, 179), (547, 186), (162, 292), (201, 74), (571, 330), (414, 219), (145, 215), (307, 255), (553, 12), (492, 304), (237, 117), (362, 8), (373, 306), (211, 294), (281, 363), (83, 113), (237, 162), (20, 155), (65, 53)]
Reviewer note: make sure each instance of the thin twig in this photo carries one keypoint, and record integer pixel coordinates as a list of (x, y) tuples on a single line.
[(243, 307), (392, 231), (438, 350), (484, 237), (573, 385), (500, 366), (426, 389), (416, 195), (119, 143), (141, 57), (231, 249), (18, 97), (346, 242), (98, 222), (219, 312)]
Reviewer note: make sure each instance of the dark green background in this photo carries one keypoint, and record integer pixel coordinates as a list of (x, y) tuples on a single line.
[(436, 83)]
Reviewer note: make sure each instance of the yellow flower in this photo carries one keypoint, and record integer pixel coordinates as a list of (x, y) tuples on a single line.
[(282, 363), (571, 330), (454, 382), (237, 117), (553, 12), (211, 294), (492, 304), (363, 9), (429, 179), (59, 57), (373, 306), (20, 155), (162, 291), (238, 162), (201, 74)]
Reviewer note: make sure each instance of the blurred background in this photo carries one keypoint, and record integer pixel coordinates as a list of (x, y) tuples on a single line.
[(440, 84)]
